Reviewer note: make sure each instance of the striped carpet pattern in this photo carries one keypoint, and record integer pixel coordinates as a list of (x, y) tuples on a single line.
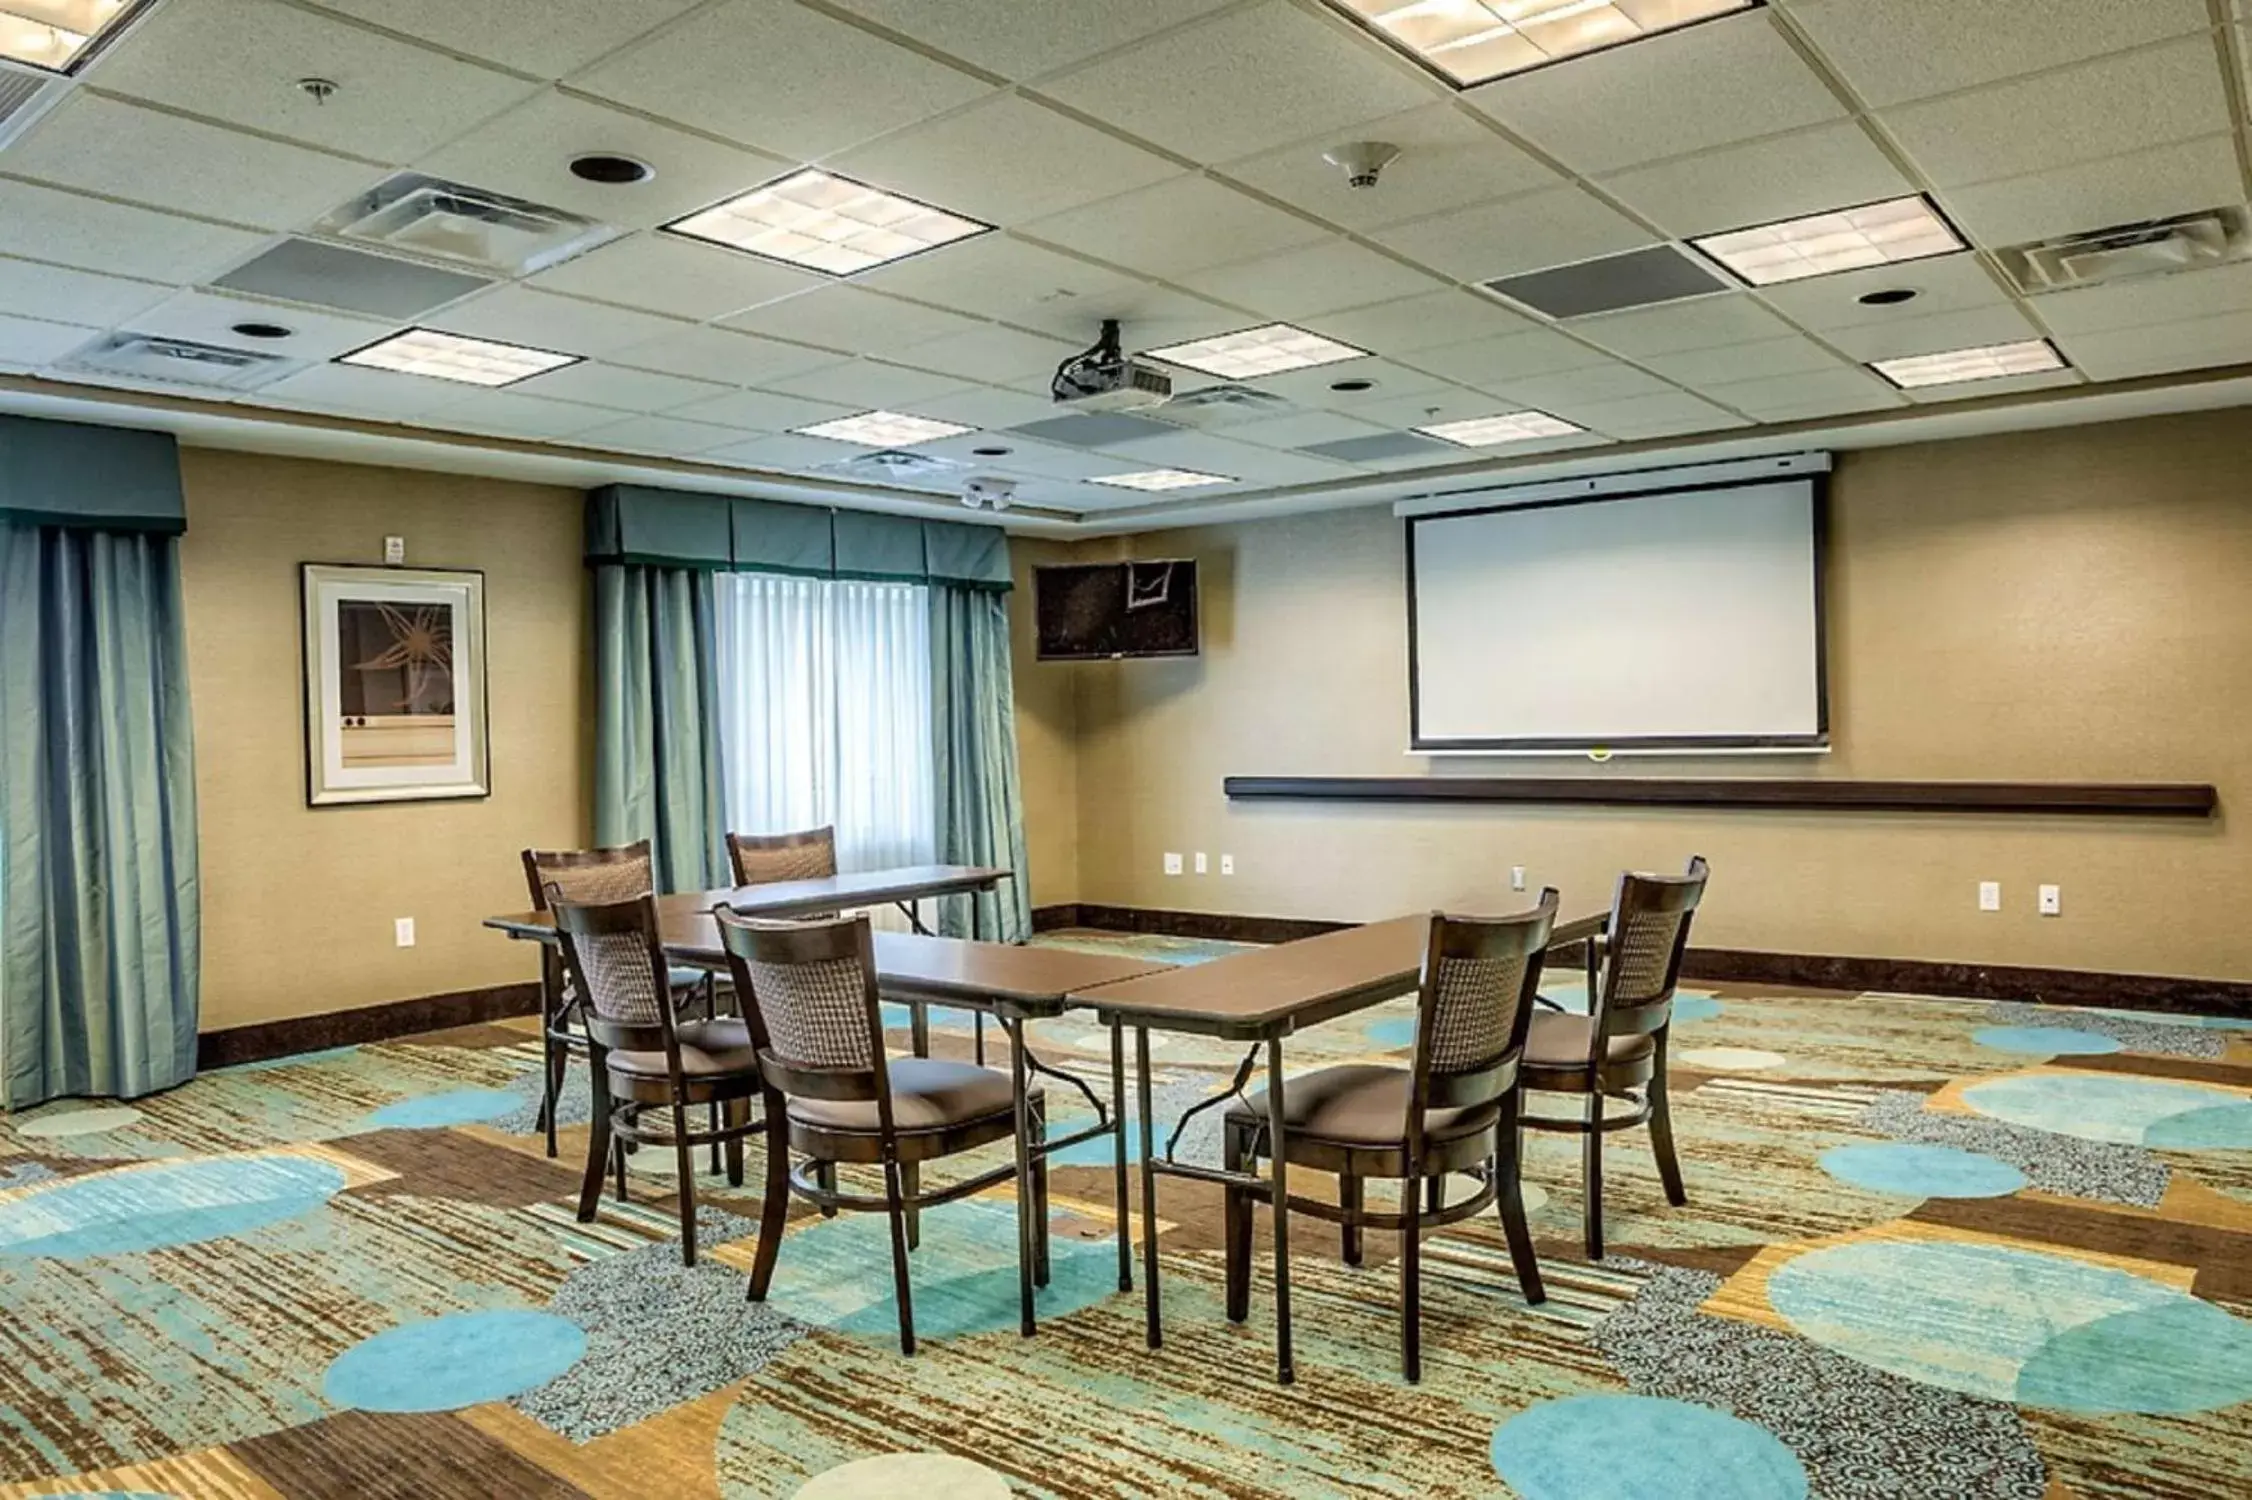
[(1932, 1249)]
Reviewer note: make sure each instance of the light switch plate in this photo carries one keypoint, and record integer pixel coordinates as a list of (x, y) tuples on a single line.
[(1990, 895), (2052, 901), (1172, 863), (403, 931), (394, 551), (1227, 864)]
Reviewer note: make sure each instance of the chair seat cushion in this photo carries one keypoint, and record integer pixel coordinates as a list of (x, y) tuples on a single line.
[(927, 1093), (708, 1049), (1561, 1041), (1360, 1104)]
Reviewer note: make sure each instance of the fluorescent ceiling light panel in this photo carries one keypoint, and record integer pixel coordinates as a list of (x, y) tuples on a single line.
[(825, 223), (1955, 366), (449, 356), (1162, 479), (1875, 234), (54, 34), (884, 429), (1476, 41), (1254, 352), (1510, 427)]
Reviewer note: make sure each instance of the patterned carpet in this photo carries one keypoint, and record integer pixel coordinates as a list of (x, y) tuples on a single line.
[(1932, 1249)]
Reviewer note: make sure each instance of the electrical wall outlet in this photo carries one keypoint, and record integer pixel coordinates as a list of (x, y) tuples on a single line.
[(394, 550), (1203, 865), (1990, 895), (403, 931), (2052, 901), (1172, 863), (1227, 864), (1516, 877)]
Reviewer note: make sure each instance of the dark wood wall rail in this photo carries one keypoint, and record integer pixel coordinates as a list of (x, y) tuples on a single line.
[(2155, 799)]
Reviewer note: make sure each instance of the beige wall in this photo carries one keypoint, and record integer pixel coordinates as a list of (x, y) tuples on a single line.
[(298, 903), (1047, 739), (2049, 606)]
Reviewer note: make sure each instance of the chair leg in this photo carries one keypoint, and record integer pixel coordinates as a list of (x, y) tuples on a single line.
[(684, 1155), (1237, 1225), (712, 1123), (900, 1289), (1509, 1200), (555, 1059), (1040, 1266), (738, 1116), (1592, 1156), (1434, 1194), (1411, 1283), (598, 1152), (1661, 1131), (911, 1184), (1349, 1232), (774, 1207), (825, 1173)]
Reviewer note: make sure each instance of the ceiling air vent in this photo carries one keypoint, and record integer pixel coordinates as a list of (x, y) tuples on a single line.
[(916, 470), (2155, 247), (418, 215), (1224, 406), (142, 356), (1639, 278), (25, 95)]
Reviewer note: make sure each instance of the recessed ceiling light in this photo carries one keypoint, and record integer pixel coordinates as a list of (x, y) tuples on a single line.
[(1986, 362), (826, 223), (1352, 386), (1891, 296), (263, 330), (992, 452), (1474, 41), (1162, 479), (883, 429), (449, 356), (610, 169), (54, 35), (1875, 234), (1509, 427), (1252, 352)]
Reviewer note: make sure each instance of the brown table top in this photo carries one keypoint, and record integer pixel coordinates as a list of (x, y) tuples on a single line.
[(1270, 992), (784, 898)]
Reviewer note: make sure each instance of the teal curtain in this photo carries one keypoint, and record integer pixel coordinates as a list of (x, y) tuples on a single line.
[(656, 703), (979, 794), (99, 901)]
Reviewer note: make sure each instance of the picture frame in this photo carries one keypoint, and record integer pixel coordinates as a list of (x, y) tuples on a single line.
[(394, 684)]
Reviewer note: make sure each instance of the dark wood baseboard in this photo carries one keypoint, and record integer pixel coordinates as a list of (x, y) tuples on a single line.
[(373, 1023), (1907, 976)]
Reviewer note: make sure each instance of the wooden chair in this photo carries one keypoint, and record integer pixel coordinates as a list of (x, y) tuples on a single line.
[(836, 1099), (765, 858), (1619, 1047), (646, 1059), (1455, 1110)]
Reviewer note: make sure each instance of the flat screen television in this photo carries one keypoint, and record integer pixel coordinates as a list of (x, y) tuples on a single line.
[(1111, 611)]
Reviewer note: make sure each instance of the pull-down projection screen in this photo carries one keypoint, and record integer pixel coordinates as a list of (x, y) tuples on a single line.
[(1690, 619)]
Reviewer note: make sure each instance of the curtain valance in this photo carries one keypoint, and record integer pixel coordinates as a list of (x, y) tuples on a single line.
[(648, 527), (89, 478)]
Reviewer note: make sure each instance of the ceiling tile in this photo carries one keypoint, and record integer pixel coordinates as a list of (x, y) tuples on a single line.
[(1702, 367), (1934, 333), (27, 343), (988, 353), (1606, 382), (765, 411), (1448, 157), (784, 452), (1435, 403), (1451, 317), (668, 275), (723, 355), (852, 319), (1726, 80), (127, 151), (1312, 387), (2180, 178), (1822, 393), (1178, 226), (1318, 279), (2006, 385), (1518, 357), (1890, 50), (52, 224), (778, 76), (548, 320), (2216, 292), (237, 62), (376, 395), (996, 276), (627, 390), (670, 436), (1649, 416), (2126, 353), (1005, 161), (1530, 233), (1271, 466), (1003, 36), (1027, 456), (2086, 113), (546, 38), (1700, 323), (209, 318), (29, 289), (1300, 429), (1784, 177), (987, 408), (867, 383), (527, 153), (1945, 283), (511, 414), (1243, 83)]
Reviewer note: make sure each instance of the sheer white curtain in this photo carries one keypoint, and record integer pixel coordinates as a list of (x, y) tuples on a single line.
[(826, 713)]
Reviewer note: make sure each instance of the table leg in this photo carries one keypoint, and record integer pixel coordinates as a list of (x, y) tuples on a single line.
[(919, 1028), (1118, 1139), (1014, 1027), (977, 1018), (1278, 1178), (1149, 1191)]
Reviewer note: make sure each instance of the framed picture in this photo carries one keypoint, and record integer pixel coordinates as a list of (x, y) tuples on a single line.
[(394, 684)]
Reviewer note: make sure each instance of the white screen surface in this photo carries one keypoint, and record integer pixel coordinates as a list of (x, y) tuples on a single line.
[(1682, 619)]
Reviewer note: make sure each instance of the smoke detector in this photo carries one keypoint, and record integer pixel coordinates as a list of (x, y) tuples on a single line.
[(2124, 252), (1362, 162)]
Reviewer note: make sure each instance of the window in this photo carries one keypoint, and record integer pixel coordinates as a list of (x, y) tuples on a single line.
[(826, 712)]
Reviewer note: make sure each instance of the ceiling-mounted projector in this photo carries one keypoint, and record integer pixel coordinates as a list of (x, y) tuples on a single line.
[(1103, 379)]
